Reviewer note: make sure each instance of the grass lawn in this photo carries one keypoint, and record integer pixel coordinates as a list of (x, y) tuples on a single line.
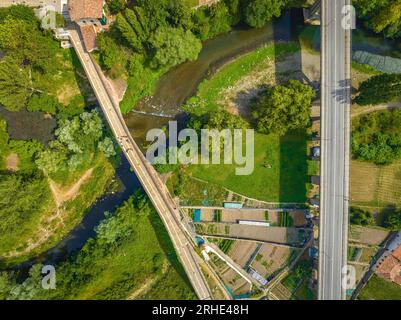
[(280, 175), (379, 289)]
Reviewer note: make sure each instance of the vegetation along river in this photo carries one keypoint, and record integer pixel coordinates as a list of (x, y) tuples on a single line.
[(172, 90)]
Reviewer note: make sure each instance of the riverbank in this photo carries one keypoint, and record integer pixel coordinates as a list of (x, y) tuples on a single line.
[(130, 247)]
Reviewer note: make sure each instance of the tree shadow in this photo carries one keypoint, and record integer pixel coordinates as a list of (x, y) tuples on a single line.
[(293, 146), (167, 246)]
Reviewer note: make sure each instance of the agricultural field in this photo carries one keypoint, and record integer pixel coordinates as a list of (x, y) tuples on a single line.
[(368, 236), (234, 282), (375, 187), (271, 259), (241, 252), (279, 235)]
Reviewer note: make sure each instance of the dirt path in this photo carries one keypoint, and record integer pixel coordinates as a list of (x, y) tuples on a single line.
[(358, 110), (60, 196), (12, 162), (147, 284)]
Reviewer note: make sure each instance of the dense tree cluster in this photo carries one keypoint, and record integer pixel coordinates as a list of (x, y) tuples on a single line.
[(361, 217), (77, 140), (283, 108), (376, 137), (32, 57), (22, 197), (381, 15)]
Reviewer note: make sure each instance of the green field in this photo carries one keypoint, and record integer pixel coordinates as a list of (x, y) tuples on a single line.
[(281, 170), (379, 289)]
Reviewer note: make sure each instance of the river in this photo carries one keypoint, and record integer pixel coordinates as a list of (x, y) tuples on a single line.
[(173, 89)]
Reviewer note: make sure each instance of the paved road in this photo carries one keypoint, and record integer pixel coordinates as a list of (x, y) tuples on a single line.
[(335, 119), (150, 180)]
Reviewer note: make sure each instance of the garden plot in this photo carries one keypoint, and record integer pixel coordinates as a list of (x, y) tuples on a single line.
[(272, 258), (241, 251), (234, 282), (290, 236), (368, 236)]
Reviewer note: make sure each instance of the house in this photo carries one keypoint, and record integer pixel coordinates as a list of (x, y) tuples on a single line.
[(88, 15), (86, 12), (388, 266)]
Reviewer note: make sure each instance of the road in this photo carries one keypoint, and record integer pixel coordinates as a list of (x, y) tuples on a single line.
[(335, 144), (148, 177)]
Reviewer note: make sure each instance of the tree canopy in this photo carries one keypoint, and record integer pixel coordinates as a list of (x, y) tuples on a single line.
[(173, 46), (377, 137), (259, 12), (381, 16), (283, 108)]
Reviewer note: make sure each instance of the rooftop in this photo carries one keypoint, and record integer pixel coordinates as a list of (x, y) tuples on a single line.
[(85, 9)]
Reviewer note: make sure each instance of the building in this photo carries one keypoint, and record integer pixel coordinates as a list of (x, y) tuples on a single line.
[(86, 12), (388, 266)]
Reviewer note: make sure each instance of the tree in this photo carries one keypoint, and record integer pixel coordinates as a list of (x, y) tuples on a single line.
[(259, 12), (283, 108), (381, 15), (112, 58), (393, 220), (377, 137), (43, 102), (116, 6), (361, 217), (379, 89), (128, 34), (15, 84), (172, 46), (107, 147), (179, 14)]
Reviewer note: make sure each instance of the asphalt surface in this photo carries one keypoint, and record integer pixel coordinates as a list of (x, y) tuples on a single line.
[(148, 177), (335, 144)]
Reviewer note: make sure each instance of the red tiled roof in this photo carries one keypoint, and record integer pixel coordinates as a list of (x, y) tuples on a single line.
[(81, 9), (397, 253), (89, 37), (390, 267)]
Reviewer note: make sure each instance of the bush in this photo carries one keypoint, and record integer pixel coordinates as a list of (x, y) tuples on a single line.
[(361, 217), (43, 102)]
